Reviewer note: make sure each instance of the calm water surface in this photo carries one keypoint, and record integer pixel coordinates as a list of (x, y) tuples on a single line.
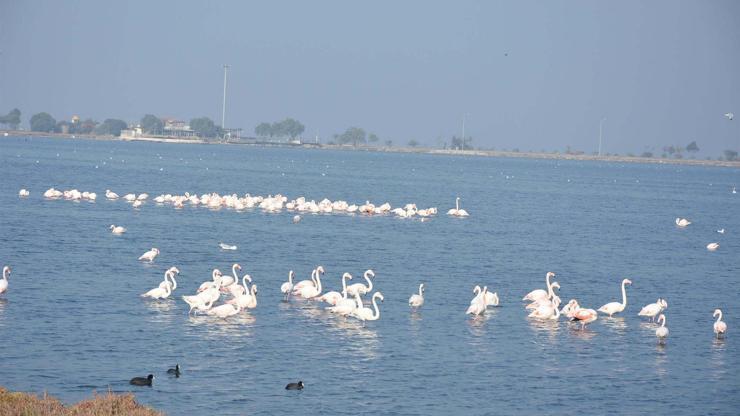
[(72, 321)]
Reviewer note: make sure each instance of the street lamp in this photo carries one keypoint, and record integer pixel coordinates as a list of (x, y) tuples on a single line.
[(223, 111), (601, 124)]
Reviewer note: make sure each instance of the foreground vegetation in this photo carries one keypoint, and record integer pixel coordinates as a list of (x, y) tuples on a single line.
[(12, 403)]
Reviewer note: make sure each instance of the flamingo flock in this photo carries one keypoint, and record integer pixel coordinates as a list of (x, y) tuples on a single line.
[(271, 203)]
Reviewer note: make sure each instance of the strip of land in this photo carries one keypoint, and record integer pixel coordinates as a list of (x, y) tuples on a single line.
[(422, 150), (109, 404)]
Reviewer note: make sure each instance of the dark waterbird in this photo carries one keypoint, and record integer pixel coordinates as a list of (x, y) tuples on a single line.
[(142, 381), (174, 371), (294, 386)]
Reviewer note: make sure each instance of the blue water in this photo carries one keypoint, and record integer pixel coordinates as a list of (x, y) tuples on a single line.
[(72, 321)]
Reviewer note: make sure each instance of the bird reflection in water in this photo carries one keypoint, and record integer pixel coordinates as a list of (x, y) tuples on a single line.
[(616, 323), (661, 359)]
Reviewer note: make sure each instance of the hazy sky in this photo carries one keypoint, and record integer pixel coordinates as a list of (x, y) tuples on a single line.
[(661, 72)]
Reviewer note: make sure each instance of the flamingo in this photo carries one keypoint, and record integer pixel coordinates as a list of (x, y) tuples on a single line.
[(478, 304), (312, 282), (110, 195), (159, 292), (570, 308), (173, 284), (150, 255), (215, 275), (4, 280), (540, 293), (416, 300), (457, 212), (366, 314), (720, 327), (23, 193), (662, 332), (308, 292), (225, 310), (227, 281), (344, 307), (117, 229), (332, 298), (287, 287), (237, 289), (585, 316), (551, 297), (361, 288), (653, 309), (682, 222), (614, 307), (547, 311), (712, 246)]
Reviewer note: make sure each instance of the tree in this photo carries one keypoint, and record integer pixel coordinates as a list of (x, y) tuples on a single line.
[(43, 122), (730, 155), (692, 147), (12, 119), (204, 127), (373, 138), (111, 126), (263, 130), (85, 127), (151, 124), (292, 128), (413, 143), (353, 135)]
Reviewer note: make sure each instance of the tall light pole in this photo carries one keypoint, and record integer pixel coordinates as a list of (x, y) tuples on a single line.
[(463, 131), (601, 124), (223, 111)]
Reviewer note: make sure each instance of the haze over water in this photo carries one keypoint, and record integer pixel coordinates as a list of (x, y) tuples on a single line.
[(72, 320)]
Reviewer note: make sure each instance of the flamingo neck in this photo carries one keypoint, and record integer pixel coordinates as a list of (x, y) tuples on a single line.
[(547, 281), (358, 300), (719, 318), (376, 315), (344, 284), (457, 204), (6, 272), (476, 290), (369, 282), (624, 295), (233, 272), (174, 282), (318, 282), (290, 277), (420, 287)]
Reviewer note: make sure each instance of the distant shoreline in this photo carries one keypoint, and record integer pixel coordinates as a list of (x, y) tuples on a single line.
[(420, 150)]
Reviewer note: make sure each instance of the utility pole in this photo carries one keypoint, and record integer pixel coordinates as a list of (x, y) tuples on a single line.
[(223, 111), (463, 132), (601, 124)]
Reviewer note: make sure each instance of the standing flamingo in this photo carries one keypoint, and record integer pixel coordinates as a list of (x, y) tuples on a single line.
[(457, 212), (361, 288), (416, 300), (540, 293), (719, 327), (614, 307), (662, 332), (287, 287), (366, 314), (333, 297), (4, 280)]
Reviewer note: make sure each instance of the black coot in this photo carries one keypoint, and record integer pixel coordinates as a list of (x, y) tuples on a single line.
[(142, 381)]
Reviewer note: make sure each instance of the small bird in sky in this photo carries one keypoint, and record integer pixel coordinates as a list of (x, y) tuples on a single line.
[(729, 116)]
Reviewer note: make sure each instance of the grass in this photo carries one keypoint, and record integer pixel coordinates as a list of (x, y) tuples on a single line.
[(25, 404)]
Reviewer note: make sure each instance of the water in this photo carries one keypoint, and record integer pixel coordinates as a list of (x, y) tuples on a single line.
[(72, 321)]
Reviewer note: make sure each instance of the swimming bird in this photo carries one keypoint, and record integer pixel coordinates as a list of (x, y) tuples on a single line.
[(296, 219), (150, 255), (416, 300), (110, 195), (225, 246), (721, 231), (294, 386), (174, 371), (712, 246), (361, 288), (730, 116), (682, 222), (653, 309), (4, 280), (117, 229), (23, 193), (720, 327), (457, 212), (142, 381), (614, 307), (662, 332)]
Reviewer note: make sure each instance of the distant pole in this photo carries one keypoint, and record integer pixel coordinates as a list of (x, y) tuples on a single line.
[(223, 111), (463, 132), (601, 124)]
